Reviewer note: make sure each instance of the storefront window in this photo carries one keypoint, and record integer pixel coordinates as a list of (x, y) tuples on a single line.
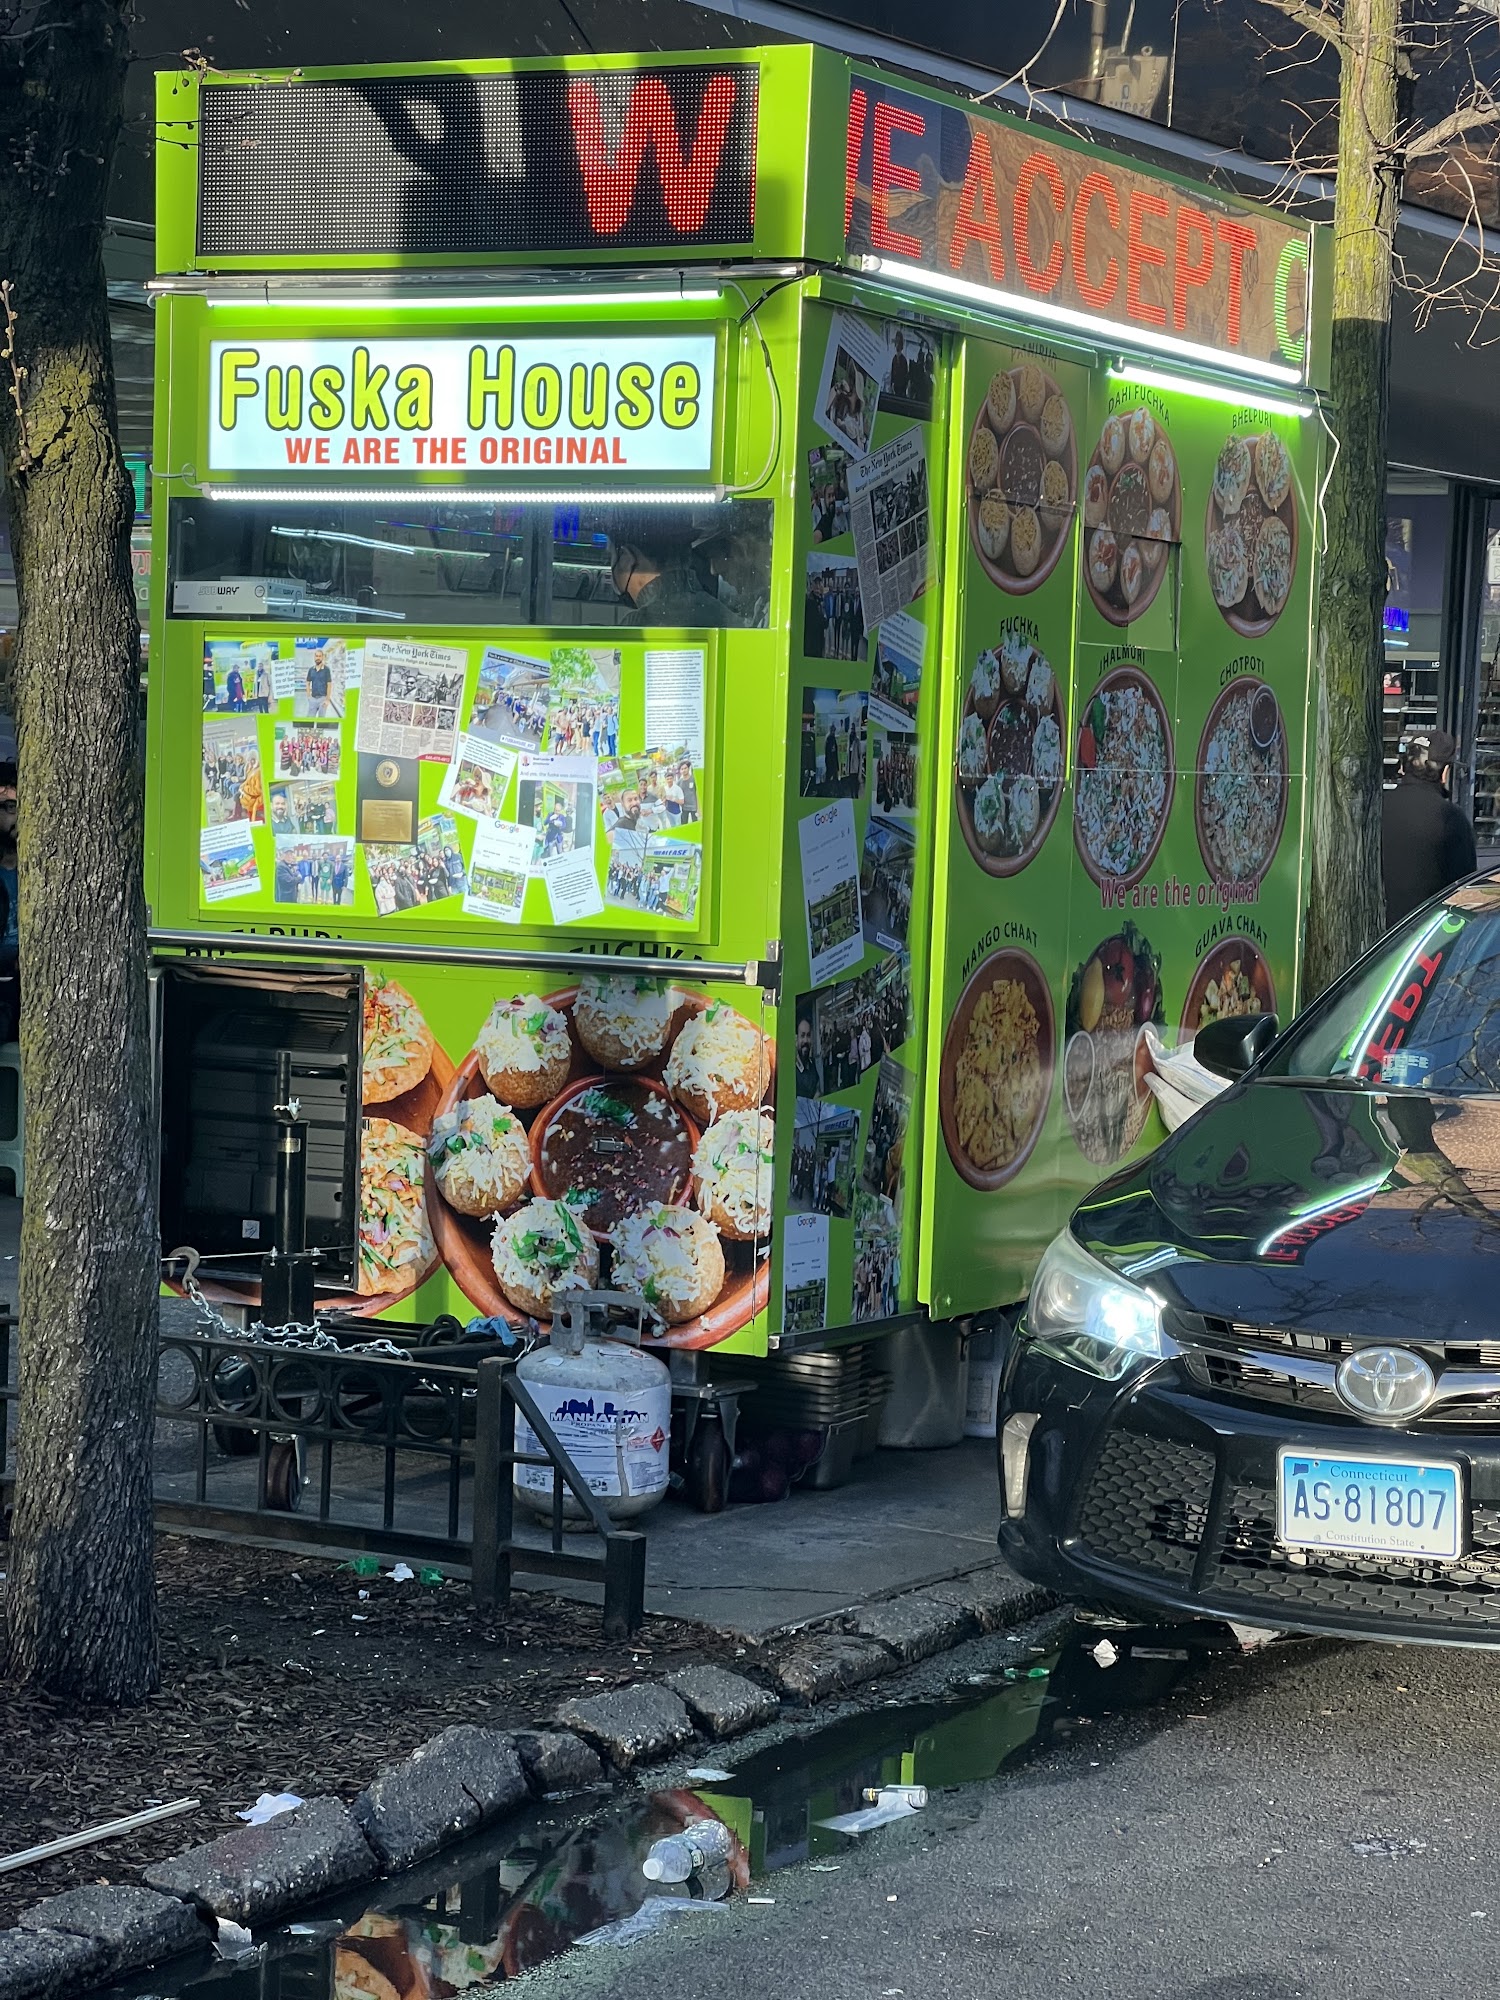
[(451, 563), (1418, 522)]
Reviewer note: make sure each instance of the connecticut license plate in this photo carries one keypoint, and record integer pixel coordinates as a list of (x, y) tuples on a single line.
[(1372, 1506)]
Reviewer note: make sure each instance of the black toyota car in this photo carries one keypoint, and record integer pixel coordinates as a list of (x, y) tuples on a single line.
[(1258, 1377)]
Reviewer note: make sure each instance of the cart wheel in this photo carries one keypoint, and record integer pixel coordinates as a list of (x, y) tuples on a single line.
[(283, 1478), (235, 1443), (706, 1479)]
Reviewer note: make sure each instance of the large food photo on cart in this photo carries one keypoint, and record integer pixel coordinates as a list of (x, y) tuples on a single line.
[(1242, 783), (1250, 533), (1022, 477), (1125, 778), (615, 1132), (1008, 773), (1113, 996), (996, 1070), (1132, 513)]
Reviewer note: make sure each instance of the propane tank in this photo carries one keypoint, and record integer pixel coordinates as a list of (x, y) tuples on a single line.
[(609, 1405)]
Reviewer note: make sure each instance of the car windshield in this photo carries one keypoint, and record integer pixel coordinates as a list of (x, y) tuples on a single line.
[(1422, 1012)]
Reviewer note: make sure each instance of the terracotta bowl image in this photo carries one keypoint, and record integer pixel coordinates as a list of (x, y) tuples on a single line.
[(463, 1241), (1123, 677), (1112, 603), (1213, 968), (1265, 710), (1013, 969), (1249, 617), (1057, 527), (1002, 865), (552, 1184)]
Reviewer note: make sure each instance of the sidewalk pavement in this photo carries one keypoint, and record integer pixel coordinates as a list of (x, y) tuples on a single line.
[(905, 1519)]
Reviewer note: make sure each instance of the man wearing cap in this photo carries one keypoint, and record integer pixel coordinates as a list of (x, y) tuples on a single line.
[(650, 566), (1425, 841)]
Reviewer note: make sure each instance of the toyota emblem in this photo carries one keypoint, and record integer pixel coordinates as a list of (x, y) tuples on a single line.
[(1387, 1385)]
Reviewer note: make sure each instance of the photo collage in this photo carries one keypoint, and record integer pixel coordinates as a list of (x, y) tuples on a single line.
[(465, 775), (870, 556)]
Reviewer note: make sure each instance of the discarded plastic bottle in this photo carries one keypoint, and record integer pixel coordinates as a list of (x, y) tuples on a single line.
[(706, 1843), (909, 1795)]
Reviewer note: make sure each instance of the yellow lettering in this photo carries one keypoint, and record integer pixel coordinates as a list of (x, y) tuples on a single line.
[(367, 393), (284, 398), (679, 396), (234, 365), (588, 396), (633, 409), (541, 396), (498, 388), (414, 398), (326, 387)]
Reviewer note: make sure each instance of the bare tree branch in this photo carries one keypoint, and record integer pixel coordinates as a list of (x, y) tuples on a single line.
[(1314, 18), (1472, 117), (1021, 76)]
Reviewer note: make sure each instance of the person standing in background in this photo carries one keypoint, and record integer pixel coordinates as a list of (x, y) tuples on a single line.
[(1425, 841), (809, 1075), (318, 681)]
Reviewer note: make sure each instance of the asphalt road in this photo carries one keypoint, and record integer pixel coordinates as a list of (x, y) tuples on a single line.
[(1205, 1848)]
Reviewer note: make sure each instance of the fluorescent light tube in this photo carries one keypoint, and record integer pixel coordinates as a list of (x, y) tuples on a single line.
[(995, 300), (488, 496), (542, 299), (1210, 392)]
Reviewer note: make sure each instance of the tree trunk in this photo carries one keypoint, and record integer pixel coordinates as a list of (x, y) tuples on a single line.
[(82, 1613), (1346, 909)]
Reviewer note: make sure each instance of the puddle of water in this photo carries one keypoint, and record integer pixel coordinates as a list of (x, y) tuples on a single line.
[(507, 1902)]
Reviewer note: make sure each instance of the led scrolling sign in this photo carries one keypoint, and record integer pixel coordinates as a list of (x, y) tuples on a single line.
[(1059, 232), (475, 164)]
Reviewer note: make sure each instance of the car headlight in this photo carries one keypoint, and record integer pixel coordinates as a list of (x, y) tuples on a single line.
[(1085, 1313)]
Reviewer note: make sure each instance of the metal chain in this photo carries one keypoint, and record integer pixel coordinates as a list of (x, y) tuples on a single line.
[(302, 1336)]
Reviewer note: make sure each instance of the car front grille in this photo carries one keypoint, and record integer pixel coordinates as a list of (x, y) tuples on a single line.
[(1248, 1561), (1149, 1508), (1441, 1353), (1147, 1503), (1237, 1358), (1230, 1375)]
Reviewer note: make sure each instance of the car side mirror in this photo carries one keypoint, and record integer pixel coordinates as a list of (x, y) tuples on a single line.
[(1230, 1047)]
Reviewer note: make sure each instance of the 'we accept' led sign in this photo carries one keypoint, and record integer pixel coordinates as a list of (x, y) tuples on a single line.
[(636, 405), (1071, 234)]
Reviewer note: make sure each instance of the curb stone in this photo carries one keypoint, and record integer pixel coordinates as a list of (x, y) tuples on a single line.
[(994, 1596), (721, 1703), (446, 1788), (816, 1668), (258, 1872), (914, 1628), (635, 1725), (71, 1942), (37, 1965), (555, 1760), (134, 1927)]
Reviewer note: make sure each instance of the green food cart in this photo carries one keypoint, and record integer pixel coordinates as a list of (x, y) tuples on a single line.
[(731, 639)]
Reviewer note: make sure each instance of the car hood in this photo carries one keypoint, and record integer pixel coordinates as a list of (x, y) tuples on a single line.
[(1331, 1209)]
